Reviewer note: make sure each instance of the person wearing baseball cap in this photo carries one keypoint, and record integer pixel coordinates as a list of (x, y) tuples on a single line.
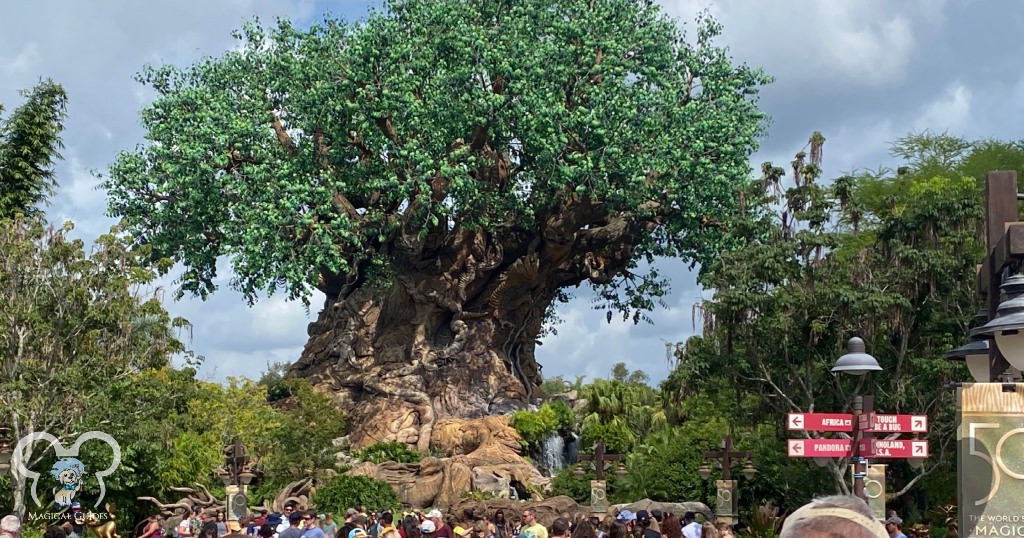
[(894, 526), (643, 522), (441, 530)]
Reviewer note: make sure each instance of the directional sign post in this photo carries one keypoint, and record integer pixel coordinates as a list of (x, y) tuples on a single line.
[(820, 422), (899, 448), (900, 424), (843, 422), (819, 448)]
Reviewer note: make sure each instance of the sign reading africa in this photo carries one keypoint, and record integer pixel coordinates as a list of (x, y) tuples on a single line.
[(990, 459), (843, 422)]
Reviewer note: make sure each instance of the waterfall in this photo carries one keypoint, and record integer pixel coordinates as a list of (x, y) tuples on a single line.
[(572, 450), (551, 457)]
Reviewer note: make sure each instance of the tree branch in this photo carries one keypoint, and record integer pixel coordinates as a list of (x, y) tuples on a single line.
[(282, 135)]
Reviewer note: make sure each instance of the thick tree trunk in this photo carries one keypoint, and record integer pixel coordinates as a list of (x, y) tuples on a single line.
[(453, 334), (434, 346)]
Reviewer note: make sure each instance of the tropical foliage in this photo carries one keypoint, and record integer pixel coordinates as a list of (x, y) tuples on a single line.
[(29, 145), (382, 452), (342, 492), (536, 426)]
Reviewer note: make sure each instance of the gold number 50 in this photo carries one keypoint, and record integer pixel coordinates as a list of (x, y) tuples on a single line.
[(997, 465)]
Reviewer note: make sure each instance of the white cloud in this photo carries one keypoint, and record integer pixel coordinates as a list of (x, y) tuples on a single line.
[(849, 43), (950, 112), (860, 71), (22, 63)]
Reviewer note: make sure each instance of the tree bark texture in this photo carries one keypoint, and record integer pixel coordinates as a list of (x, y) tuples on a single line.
[(453, 332)]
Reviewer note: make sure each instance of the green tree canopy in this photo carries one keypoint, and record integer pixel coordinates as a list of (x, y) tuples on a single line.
[(312, 156), (29, 145), (442, 172), (74, 327), (888, 256)]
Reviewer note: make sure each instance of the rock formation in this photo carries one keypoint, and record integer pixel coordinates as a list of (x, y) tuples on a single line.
[(480, 455), (547, 510), (674, 508)]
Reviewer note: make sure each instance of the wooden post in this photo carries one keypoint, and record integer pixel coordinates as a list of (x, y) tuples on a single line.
[(1000, 209), (600, 458)]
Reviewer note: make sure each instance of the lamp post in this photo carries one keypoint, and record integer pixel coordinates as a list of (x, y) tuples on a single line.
[(989, 411), (976, 352), (236, 465), (857, 362), (725, 507), (598, 490), (237, 475)]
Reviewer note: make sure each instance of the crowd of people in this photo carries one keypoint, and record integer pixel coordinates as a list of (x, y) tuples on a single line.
[(359, 522), (828, 517)]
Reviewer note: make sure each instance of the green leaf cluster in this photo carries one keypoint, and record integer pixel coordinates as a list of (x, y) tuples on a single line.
[(313, 158), (619, 412), (384, 452), (343, 492), (535, 426), (29, 145)]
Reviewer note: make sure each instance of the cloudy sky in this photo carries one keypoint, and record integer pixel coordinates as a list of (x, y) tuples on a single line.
[(863, 72)]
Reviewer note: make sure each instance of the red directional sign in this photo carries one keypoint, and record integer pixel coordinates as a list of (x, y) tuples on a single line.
[(819, 448), (901, 423), (841, 448), (820, 422), (899, 448), (843, 422)]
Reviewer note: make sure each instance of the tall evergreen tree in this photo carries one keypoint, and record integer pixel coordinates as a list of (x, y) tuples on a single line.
[(29, 145)]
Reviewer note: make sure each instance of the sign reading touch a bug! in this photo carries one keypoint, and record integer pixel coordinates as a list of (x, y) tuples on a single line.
[(64, 480)]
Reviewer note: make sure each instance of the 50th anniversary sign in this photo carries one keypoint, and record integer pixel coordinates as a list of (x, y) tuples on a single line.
[(990, 458)]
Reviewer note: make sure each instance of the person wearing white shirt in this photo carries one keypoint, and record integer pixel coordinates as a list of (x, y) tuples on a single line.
[(691, 529)]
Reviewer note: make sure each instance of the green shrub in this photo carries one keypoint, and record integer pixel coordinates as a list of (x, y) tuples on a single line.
[(535, 426), (344, 491), (564, 414), (382, 452), (566, 483)]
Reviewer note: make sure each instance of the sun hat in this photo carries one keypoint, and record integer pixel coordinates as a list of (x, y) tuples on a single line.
[(10, 524), (434, 513), (427, 526)]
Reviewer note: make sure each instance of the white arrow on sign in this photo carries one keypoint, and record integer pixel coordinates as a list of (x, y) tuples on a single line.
[(796, 447), (919, 423), (796, 421), (920, 448)]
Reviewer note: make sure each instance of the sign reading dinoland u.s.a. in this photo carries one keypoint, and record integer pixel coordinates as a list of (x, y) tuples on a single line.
[(990, 459), (63, 497)]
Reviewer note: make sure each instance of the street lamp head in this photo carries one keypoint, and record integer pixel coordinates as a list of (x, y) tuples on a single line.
[(1008, 322), (749, 471), (621, 471), (704, 471), (578, 472), (856, 361), (246, 477), (975, 354)]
